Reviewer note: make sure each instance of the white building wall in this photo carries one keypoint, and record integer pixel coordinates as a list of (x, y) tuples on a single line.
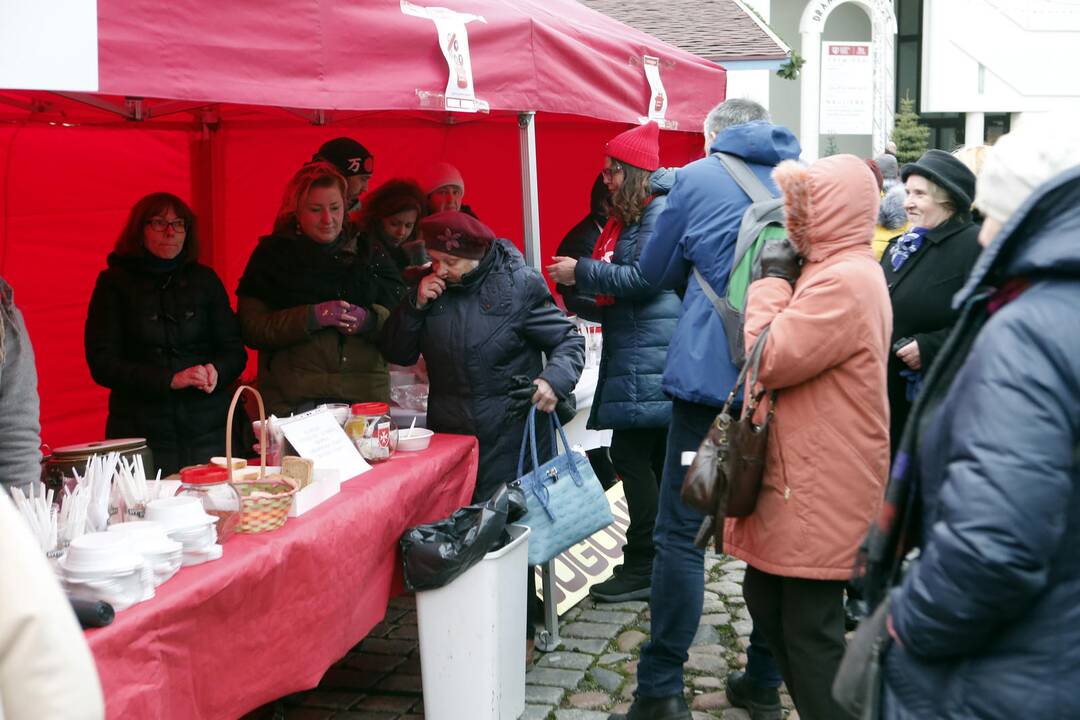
[(749, 84), (1011, 56)]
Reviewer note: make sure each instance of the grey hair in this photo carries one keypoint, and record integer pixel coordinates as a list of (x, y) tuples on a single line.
[(735, 111)]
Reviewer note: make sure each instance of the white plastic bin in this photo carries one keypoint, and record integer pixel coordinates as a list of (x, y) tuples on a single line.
[(472, 638)]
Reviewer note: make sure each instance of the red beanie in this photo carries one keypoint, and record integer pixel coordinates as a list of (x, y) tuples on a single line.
[(639, 147)]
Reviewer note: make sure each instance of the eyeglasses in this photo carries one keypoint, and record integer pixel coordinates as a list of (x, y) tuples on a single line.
[(178, 225), (608, 173)]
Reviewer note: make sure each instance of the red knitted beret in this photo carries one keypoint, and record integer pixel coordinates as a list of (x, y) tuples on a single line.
[(638, 146), (456, 233)]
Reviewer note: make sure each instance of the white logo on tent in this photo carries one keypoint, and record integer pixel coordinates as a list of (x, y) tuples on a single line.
[(658, 99), (460, 95)]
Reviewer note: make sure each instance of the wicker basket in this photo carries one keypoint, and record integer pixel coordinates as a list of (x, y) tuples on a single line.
[(269, 509)]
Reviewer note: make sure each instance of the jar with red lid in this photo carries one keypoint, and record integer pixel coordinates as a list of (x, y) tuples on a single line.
[(372, 431), (219, 498)]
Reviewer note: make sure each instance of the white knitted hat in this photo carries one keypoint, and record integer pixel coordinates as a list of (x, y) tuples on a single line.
[(1041, 147)]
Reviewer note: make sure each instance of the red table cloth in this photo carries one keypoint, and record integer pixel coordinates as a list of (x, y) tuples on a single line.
[(278, 609)]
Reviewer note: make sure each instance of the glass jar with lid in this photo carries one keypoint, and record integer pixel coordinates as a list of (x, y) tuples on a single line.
[(219, 498), (372, 431)]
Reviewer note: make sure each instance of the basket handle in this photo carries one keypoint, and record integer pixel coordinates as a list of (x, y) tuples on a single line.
[(262, 427)]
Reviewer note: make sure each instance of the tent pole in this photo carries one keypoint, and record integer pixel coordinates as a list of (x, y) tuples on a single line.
[(530, 204)]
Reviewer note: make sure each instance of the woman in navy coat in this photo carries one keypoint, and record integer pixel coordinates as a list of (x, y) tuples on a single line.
[(986, 622), (638, 322)]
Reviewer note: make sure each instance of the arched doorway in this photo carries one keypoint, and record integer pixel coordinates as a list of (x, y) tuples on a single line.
[(883, 32)]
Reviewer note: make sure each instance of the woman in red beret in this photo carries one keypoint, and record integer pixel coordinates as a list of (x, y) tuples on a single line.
[(484, 321)]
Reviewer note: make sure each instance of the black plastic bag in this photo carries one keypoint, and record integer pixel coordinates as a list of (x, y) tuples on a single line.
[(516, 497), (436, 553)]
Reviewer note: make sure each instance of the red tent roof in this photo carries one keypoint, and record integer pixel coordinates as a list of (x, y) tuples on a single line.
[(553, 56)]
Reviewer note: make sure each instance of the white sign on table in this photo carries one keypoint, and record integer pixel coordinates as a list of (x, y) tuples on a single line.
[(316, 435), (49, 45), (847, 88)]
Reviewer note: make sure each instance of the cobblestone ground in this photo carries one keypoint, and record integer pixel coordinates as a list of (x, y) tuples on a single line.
[(590, 676)]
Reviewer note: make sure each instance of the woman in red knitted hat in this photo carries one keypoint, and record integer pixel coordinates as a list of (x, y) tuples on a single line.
[(638, 322)]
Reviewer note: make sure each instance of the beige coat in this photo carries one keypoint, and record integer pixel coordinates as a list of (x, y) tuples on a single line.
[(826, 354), (46, 671)]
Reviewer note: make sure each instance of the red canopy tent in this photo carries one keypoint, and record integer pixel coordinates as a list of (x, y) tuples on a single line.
[(220, 102)]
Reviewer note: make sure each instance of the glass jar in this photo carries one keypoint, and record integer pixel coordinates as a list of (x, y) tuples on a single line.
[(372, 431), (219, 498)]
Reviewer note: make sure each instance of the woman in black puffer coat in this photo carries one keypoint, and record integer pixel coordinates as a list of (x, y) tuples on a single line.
[(483, 320), (160, 334), (638, 323)]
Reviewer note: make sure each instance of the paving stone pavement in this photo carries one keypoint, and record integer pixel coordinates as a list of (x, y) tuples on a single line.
[(591, 675)]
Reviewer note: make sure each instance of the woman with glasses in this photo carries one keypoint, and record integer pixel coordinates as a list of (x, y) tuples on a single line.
[(161, 336), (312, 299), (638, 322)]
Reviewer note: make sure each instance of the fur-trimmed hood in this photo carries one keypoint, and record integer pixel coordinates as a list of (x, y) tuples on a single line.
[(829, 205)]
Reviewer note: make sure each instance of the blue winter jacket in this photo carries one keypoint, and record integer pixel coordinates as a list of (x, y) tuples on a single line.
[(637, 328), (989, 616), (698, 228)]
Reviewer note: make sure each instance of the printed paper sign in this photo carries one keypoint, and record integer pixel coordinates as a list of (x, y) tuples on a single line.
[(592, 560), (317, 436), (49, 45), (847, 88), (460, 95)]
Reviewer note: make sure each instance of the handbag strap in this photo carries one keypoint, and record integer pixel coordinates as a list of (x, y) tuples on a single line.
[(752, 366), (537, 486)]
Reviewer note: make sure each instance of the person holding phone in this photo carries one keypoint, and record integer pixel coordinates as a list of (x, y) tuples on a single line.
[(313, 298)]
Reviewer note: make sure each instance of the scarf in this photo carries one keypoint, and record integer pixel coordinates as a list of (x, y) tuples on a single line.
[(905, 246), (604, 250), (286, 271)]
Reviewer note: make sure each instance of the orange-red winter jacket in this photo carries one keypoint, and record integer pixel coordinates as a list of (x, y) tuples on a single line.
[(826, 354)]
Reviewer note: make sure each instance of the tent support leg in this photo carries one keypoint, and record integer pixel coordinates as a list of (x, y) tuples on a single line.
[(548, 640), (530, 204)]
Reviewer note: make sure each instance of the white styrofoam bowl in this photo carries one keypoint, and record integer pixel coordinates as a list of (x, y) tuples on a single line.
[(100, 554), (177, 513), (418, 439)]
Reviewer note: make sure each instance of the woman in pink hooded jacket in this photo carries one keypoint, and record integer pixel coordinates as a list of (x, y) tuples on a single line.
[(827, 308)]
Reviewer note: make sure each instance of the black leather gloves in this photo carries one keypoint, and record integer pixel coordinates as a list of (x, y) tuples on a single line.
[(779, 259)]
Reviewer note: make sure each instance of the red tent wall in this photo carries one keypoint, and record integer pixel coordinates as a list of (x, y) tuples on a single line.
[(67, 192)]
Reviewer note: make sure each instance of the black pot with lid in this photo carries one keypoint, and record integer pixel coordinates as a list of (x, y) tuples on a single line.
[(58, 464)]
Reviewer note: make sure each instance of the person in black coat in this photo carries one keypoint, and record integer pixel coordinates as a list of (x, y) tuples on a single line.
[(638, 322), (391, 216), (985, 622), (579, 242), (482, 319), (161, 335), (924, 268)]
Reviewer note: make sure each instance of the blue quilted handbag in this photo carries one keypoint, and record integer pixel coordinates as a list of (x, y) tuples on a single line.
[(566, 503)]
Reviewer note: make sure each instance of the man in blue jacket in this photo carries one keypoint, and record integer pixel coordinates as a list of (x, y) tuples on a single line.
[(698, 229)]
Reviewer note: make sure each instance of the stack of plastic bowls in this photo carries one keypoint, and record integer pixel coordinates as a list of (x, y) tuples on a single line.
[(101, 566), (160, 553), (186, 522)]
